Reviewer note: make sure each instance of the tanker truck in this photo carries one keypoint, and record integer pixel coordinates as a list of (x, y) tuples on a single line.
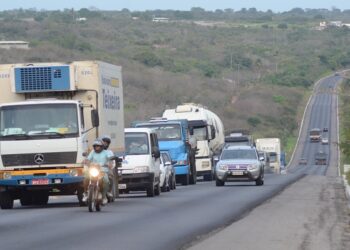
[(208, 130), (50, 114)]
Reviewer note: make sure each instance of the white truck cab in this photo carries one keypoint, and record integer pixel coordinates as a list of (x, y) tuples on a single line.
[(140, 169)]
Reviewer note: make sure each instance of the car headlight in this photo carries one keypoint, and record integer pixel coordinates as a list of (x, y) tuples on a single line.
[(141, 169), (94, 172), (253, 167), (223, 167)]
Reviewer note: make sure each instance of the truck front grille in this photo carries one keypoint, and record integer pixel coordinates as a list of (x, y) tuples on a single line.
[(15, 160)]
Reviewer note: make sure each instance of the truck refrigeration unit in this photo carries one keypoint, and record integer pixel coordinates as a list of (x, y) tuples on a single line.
[(207, 128), (50, 114)]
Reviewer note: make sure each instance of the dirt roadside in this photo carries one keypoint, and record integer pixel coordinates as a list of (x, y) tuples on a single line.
[(317, 219)]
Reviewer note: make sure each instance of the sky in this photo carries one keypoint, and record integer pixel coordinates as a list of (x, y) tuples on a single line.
[(274, 5)]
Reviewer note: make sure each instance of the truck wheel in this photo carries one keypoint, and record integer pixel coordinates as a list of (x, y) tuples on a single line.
[(150, 190), (6, 201), (193, 178), (157, 189), (185, 179), (26, 199), (219, 183), (40, 198)]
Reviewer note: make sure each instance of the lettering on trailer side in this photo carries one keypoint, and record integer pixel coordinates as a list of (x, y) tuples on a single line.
[(110, 100)]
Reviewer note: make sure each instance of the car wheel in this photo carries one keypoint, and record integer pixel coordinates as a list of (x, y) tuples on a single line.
[(259, 181), (219, 183), (150, 190)]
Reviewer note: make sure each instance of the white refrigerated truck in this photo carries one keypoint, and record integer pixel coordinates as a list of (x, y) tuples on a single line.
[(272, 147), (207, 128), (50, 114)]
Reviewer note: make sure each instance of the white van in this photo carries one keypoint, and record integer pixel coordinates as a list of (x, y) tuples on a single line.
[(140, 169)]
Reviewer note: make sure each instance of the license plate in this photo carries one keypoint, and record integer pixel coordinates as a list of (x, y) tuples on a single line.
[(121, 186), (237, 173), (40, 181)]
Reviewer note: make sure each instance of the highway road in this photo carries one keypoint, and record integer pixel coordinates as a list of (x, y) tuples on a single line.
[(174, 219)]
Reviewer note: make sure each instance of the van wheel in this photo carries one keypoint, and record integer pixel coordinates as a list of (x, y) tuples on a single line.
[(6, 201), (157, 189), (219, 183), (150, 190)]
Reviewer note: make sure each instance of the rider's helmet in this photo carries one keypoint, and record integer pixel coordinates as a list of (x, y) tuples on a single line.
[(98, 142), (107, 140)]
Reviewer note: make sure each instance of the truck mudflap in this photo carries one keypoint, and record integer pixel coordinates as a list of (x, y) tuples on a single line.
[(182, 169), (45, 177)]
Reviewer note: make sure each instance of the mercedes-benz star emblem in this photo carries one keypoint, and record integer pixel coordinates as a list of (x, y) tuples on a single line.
[(39, 158)]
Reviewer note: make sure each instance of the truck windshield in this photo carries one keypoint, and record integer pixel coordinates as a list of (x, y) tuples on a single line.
[(200, 133), (136, 144), (239, 154), (167, 132), (38, 121), (273, 157)]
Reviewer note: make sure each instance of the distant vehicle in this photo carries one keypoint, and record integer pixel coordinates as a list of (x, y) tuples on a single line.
[(320, 158), (239, 163), (166, 157), (325, 129), (272, 146), (266, 161), (303, 161), (315, 135), (324, 140), (239, 138)]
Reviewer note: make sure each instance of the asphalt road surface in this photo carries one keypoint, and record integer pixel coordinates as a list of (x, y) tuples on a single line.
[(171, 221)]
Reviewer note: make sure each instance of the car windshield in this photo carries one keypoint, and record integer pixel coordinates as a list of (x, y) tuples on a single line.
[(37, 121), (239, 154), (136, 144), (167, 132)]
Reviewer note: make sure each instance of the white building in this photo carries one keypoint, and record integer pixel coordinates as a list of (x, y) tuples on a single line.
[(160, 19), (14, 45)]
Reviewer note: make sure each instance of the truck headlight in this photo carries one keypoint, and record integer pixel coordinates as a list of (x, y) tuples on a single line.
[(94, 172), (7, 175), (141, 169), (184, 162), (253, 167), (223, 167), (73, 172)]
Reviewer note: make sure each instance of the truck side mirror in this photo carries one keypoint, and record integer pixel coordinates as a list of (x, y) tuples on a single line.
[(155, 152), (95, 120)]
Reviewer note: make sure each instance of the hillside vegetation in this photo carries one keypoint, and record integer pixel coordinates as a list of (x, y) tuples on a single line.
[(255, 69)]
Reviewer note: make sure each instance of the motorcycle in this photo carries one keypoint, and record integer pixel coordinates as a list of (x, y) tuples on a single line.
[(94, 196)]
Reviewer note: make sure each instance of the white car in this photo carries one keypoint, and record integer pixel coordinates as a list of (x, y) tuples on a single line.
[(165, 172), (324, 140)]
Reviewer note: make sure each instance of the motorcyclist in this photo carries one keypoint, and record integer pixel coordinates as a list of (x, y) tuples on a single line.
[(99, 156), (106, 142)]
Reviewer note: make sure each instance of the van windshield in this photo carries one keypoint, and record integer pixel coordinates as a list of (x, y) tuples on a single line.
[(136, 144)]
